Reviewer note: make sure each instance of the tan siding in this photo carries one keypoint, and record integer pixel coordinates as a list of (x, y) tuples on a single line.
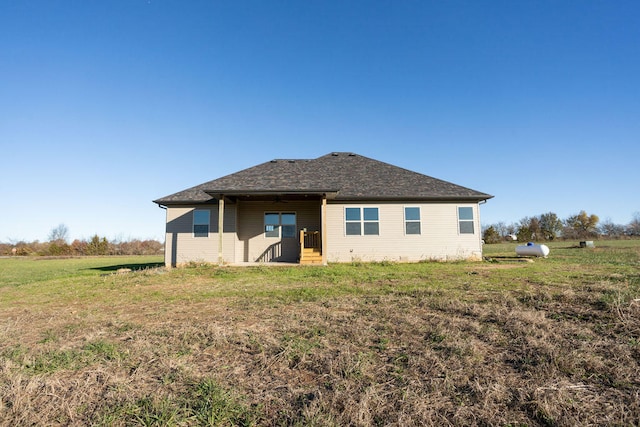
[(244, 238), (182, 247), (252, 243), (439, 238), (230, 236)]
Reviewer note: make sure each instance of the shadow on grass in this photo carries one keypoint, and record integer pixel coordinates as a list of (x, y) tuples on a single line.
[(131, 266)]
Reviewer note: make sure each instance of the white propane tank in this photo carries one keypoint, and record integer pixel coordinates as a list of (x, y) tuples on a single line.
[(531, 249)]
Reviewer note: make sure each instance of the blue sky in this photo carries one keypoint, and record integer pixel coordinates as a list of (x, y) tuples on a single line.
[(107, 105)]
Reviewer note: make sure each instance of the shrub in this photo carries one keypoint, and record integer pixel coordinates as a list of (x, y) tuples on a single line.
[(491, 235)]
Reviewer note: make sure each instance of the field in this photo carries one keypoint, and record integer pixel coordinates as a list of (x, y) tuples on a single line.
[(553, 342)]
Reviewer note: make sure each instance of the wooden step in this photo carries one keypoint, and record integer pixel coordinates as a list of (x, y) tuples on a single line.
[(311, 256), (311, 261)]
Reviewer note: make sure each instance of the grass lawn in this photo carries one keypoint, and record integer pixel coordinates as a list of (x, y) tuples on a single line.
[(551, 342)]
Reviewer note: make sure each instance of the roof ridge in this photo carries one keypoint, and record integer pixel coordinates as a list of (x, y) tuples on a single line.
[(289, 160)]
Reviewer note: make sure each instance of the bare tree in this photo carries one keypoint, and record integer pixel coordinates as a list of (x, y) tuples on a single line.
[(610, 229), (59, 234), (633, 229)]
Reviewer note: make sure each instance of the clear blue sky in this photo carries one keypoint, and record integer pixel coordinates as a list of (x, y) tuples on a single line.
[(107, 105)]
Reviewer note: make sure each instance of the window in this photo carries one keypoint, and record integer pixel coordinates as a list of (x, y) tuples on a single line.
[(353, 223), (272, 225), (361, 221), (288, 221), (465, 220), (412, 220), (201, 223), (280, 224)]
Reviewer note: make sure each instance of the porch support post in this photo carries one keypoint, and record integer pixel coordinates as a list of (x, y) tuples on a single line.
[(323, 227), (220, 228)]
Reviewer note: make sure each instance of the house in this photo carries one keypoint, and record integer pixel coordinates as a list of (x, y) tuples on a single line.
[(341, 207)]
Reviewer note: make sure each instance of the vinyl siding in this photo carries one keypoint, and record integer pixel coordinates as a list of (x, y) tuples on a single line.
[(252, 244), (244, 239), (182, 247), (439, 238)]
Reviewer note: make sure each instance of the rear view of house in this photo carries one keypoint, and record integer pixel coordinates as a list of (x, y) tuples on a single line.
[(341, 207)]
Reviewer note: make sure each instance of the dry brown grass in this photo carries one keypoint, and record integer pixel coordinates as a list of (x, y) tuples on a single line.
[(559, 355)]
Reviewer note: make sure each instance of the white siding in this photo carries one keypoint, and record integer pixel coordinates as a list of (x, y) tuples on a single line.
[(439, 238), (182, 247)]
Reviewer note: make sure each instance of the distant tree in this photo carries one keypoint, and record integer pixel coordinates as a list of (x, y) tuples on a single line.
[(97, 246), (6, 249), (24, 248), (582, 225), (610, 229), (550, 226), (529, 229), (500, 228), (57, 248), (633, 228), (504, 229), (59, 234), (79, 247), (491, 235), (57, 242)]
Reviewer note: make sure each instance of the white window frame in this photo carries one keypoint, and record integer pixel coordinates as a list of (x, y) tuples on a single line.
[(412, 221), (362, 221), (198, 234), (280, 225), (466, 221)]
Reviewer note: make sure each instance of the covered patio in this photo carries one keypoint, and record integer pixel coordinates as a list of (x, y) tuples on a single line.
[(276, 226)]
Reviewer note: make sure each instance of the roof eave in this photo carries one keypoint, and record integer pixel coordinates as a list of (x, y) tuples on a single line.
[(330, 194), (478, 198), (161, 202)]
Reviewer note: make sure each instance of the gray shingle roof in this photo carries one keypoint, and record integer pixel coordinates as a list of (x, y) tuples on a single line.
[(348, 176)]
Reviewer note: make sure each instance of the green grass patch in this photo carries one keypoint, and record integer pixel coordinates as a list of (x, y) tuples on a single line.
[(51, 360), (499, 342), (202, 403), (17, 271), (29, 281)]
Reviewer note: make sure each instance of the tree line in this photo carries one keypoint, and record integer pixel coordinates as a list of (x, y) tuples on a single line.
[(57, 245), (548, 226)]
